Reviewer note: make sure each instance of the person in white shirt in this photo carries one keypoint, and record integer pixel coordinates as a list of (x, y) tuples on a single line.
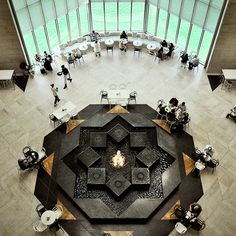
[(193, 63), (54, 92), (97, 49)]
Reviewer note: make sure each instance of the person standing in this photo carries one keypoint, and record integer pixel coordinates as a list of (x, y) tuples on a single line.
[(97, 49), (66, 73), (54, 92)]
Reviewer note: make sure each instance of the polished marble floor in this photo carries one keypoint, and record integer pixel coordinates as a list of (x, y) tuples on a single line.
[(24, 121)]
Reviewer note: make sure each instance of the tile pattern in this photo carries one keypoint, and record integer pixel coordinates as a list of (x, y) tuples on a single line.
[(48, 164), (24, 121), (163, 124), (71, 124), (170, 214), (189, 164), (118, 109)]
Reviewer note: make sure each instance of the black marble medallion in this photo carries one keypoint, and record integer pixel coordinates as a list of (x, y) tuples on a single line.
[(118, 133), (118, 185)]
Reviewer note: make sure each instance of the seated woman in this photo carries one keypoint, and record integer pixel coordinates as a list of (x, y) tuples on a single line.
[(184, 117), (163, 43), (97, 49), (47, 63), (123, 35), (160, 53), (193, 63), (77, 53), (184, 58), (122, 46), (171, 46), (37, 58), (171, 115), (173, 102)]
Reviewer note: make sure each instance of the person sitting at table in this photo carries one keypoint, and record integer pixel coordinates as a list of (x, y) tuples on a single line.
[(97, 49), (184, 58), (77, 53), (193, 63), (122, 46), (171, 115), (173, 102), (195, 209), (160, 53), (123, 35), (182, 106), (184, 117), (37, 58), (171, 46), (47, 63), (70, 57), (94, 36), (163, 43)]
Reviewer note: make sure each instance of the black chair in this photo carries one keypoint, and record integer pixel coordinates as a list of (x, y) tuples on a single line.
[(198, 225), (55, 227), (132, 96), (179, 212), (40, 209), (104, 95), (137, 50), (110, 48)]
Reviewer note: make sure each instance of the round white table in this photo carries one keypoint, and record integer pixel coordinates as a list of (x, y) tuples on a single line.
[(151, 46), (48, 217), (83, 47), (109, 42), (137, 43)]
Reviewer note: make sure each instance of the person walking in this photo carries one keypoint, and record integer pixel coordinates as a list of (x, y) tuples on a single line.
[(54, 92), (66, 73)]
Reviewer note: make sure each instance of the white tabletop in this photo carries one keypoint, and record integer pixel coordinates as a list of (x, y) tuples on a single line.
[(64, 110), (6, 74), (83, 47), (229, 74), (118, 96), (109, 42), (72, 47), (137, 43), (48, 217), (151, 46)]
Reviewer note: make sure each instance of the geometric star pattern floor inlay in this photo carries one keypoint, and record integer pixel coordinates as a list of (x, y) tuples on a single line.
[(48, 163), (170, 214), (189, 164), (67, 215), (71, 124), (163, 125), (118, 109)]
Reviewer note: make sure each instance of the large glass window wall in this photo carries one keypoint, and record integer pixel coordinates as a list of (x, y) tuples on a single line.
[(190, 24)]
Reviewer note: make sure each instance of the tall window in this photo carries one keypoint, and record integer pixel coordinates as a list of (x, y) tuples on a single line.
[(190, 24)]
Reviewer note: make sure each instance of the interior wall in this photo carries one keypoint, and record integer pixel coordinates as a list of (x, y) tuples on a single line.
[(224, 52), (11, 52)]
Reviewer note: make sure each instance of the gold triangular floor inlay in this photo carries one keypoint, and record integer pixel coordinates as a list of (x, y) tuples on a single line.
[(118, 109), (48, 163), (170, 214), (163, 124), (71, 124), (67, 215), (189, 164)]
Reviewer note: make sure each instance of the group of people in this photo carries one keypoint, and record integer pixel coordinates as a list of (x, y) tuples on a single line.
[(189, 218), (44, 61), (192, 61), (161, 54), (174, 112), (204, 159)]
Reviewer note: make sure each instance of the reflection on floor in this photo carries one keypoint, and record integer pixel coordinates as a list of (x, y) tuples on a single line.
[(24, 121)]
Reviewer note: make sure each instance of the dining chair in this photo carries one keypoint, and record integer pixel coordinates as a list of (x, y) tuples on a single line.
[(58, 211), (71, 62), (110, 48), (137, 50), (132, 97), (104, 95), (180, 228), (39, 226)]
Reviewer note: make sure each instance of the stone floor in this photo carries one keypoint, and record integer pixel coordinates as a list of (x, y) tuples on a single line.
[(24, 121)]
